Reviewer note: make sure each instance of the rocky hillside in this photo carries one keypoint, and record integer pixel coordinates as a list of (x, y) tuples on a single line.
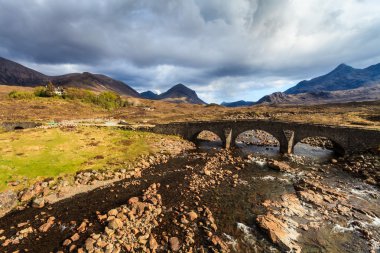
[(177, 94), (12, 73), (343, 77)]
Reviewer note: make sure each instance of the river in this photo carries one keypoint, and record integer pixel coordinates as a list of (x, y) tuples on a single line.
[(237, 190)]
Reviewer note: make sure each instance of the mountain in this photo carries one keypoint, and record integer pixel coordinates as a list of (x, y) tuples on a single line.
[(12, 73), (94, 82), (149, 95), (370, 93), (239, 103), (274, 98), (343, 77), (177, 94)]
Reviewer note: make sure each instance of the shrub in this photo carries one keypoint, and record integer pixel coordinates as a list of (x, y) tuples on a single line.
[(40, 91), (21, 94), (81, 94), (109, 100)]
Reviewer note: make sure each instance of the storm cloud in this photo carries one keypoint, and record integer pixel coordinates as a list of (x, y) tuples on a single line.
[(225, 50)]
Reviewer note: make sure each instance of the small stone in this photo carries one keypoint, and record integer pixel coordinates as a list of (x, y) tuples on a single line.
[(27, 195), (75, 237), (22, 224), (72, 248), (184, 220), (38, 203), (112, 212), (82, 227), (174, 243), (89, 244), (153, 245), (66, 242), (45, 227), (133, 200), (115, 224), (192, 215)]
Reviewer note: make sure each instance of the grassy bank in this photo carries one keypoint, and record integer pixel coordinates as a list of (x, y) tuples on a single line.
[(33, 154)]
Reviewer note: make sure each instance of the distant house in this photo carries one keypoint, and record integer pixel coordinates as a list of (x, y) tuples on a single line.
[(59, 91)]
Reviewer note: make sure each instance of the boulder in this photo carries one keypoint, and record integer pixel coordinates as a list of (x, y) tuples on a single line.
[(279, 232), (280, 166), (8, 200)]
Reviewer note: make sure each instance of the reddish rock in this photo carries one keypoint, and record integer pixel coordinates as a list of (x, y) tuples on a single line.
[(133, 200), (45, 227), (174, 243), (281, 166), (279, 232)]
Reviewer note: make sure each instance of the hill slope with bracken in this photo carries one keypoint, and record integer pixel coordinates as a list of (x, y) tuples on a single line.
[(12, 73)]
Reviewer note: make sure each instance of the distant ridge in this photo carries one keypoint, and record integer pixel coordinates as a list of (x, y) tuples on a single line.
[(149, 95), (239, 103), (12, 73)]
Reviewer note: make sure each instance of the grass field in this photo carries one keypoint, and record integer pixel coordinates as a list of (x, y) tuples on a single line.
[(29, 155)]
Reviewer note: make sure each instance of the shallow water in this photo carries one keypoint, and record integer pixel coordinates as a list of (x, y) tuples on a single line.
[(238, 211)]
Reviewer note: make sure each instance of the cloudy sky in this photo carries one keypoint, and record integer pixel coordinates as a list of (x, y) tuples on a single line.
[(225, 50)]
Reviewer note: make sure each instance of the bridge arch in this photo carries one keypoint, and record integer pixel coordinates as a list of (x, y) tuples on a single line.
[(321, 141), (18, 128), (274, 134), (257, 137), (207, 135)]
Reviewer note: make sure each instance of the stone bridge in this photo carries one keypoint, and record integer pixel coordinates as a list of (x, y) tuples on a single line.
[(345, 139), (9, 126)]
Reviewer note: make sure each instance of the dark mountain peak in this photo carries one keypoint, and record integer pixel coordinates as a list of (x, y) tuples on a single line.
[(343, 67), (149, 95), (179, 85), (180, 93), (181, 88)]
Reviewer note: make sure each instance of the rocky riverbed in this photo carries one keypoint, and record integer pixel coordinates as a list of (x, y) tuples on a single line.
[(211, 200)]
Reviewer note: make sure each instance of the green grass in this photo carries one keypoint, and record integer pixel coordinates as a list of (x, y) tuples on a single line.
[(31, 155)]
